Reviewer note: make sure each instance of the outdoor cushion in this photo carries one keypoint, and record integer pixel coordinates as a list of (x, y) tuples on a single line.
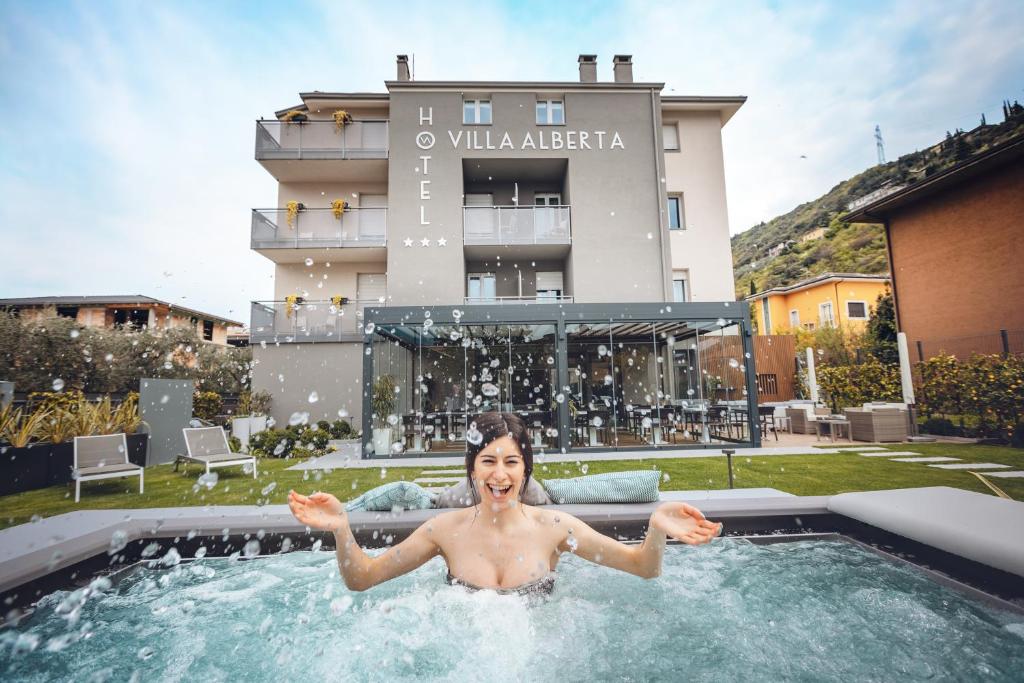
[(460, 496), (612, 487), (401, 494), (222, 456), (119, 467)]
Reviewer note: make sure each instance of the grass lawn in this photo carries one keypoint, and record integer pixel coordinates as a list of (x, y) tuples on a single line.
[(803, 475)]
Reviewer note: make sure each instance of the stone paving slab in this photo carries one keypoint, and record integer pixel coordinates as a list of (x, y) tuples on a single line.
[(1016, 474), (934, 458), (973, 466), (889, 454), (858, 448)]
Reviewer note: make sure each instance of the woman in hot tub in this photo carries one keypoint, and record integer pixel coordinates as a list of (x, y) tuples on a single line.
[(500, 543)]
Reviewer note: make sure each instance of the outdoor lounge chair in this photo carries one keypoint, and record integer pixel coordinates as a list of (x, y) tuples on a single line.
[(102, 457), (877, 426), (801, 419), (209, 446)]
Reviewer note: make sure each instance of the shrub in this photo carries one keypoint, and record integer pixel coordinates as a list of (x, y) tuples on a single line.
[(989, 387), (234, 444), (341, 429), (272, 443), (939, 426), (853, 385), (207, 405)]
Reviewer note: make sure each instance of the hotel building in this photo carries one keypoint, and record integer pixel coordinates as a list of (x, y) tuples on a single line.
[(560, 249)]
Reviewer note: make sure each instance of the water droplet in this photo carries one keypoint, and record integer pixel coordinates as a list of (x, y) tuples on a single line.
[(58, 384), (597, 421), (251, 548), (733, 363), (339, 605), (489, 389), (207, 479), (397, 447), (268, 488), (145, 653), (551, 360), (370, 327), (650, 235), (473, 435), (74, 334), (584, 468), (560, 397), (118, 541), (313, 397), (298, 418), (608, 379), (309, 261), (602, 350), (645, 423), (342, 413), (392, 419), (168, 365), (427, 324)]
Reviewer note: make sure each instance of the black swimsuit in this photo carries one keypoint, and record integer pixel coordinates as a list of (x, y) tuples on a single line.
[(542, 586)]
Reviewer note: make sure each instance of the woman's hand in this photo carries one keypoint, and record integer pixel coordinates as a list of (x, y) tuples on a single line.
[(319, 511), (684, 523)]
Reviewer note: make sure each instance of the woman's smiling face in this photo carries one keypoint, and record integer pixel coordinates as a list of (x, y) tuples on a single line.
[(498, 471)]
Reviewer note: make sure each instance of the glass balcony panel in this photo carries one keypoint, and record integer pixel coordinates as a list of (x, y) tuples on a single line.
[(305, 322), (321, 140), (516, 225), (356, 227)]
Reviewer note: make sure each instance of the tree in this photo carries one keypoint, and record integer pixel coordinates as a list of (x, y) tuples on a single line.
[(881, 332), (983, 119)]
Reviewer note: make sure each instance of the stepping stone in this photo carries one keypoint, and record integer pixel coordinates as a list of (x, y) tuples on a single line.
[(438, 480), (973, 466), (857, 448), (935, 458), (436, 473), (903, 453), (1016, 474)]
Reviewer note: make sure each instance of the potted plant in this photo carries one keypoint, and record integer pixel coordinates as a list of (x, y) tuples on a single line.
[(338, 207), (341, 119), (290, 302), (383, 405), (292, 210), (59, 430), (295, 116), (251, 418), (338, 301)]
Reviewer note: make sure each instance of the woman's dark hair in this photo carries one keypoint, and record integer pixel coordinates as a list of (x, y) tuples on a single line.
[(491, 426)]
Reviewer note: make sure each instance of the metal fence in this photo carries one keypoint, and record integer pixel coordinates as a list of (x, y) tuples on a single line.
[(516, 225), (1004, 342), (305, 321), (355, 227), (321, 140)]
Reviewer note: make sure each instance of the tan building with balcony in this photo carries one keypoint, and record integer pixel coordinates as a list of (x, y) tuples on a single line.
[(131, 311), (461, 194)]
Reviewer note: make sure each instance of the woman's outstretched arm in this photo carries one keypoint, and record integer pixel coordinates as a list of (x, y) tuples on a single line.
[(358, 570), (682, 522)]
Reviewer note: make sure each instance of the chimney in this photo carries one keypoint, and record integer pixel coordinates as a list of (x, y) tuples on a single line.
[(623, 65), (588, 68), (403, 67)]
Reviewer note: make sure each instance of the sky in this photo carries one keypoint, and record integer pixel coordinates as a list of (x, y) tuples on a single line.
[(126, 158)]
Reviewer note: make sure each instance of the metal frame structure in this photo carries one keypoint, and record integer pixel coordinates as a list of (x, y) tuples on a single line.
[(559, 316)]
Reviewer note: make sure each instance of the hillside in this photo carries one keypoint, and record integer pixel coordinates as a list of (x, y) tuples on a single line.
[(811, 239)]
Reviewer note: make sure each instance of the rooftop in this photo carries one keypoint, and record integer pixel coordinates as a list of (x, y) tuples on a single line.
[(818, 280), (108, 300)]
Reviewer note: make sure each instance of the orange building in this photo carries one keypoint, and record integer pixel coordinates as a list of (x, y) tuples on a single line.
[(826, 300), (956, 252)]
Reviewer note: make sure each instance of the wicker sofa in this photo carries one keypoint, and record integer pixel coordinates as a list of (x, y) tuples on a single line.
[(877, 426), (801, 419)]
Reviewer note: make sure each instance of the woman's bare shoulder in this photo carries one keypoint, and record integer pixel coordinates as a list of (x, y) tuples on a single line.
[(447, 520)]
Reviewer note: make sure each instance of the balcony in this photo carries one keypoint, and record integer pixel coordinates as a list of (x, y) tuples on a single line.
[(360, 232), (503, 300), (539, 231), (308, 322), (328, 150)]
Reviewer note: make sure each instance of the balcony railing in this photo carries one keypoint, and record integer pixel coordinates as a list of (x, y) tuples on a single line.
[(500, 300), (306, 322), (516, 225), (321, 140), (356, 227)]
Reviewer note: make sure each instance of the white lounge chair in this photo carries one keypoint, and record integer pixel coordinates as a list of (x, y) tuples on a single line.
[(102, 457), (209, 446)]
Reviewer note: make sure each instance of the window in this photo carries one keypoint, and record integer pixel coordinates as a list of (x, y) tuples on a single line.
[(794, 319), (680, 286), (481, 287), (767, 316), (131, 318), (675, 213), (825, 314), (857, 310), (476, 111), (208, 330), (550, 113), (549, 285), (670, 137), (67, 312)]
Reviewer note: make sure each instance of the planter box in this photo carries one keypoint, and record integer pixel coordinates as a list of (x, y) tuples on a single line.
[(61, 460), (23, 469), (137, 447)]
